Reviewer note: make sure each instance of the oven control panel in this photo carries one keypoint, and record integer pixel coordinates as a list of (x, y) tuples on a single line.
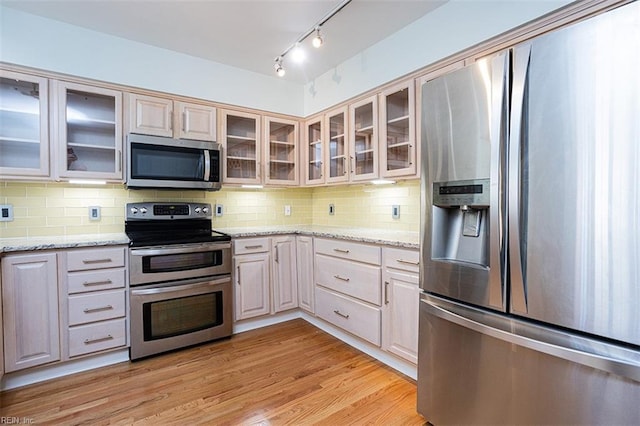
[(164, 211)]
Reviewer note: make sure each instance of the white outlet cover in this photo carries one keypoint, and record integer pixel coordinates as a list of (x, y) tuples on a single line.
[(287, 210)]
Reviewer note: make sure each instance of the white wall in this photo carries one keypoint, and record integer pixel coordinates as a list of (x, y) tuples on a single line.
[(451, 28), (33, 41)]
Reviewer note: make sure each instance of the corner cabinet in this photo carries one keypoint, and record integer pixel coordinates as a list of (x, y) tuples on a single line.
[(281, 155), (337, 147), (241, 151), (304, 262), (150, 115), (314, 151), (89, 131), (363, 139), (24, 125), (398, 148)]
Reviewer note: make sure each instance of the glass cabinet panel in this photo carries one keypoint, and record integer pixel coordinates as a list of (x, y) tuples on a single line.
[(241, 147), (337, 150), (24, 127), (90, 133), (282, 153), (364, 139), (398, 132), (314, 153)]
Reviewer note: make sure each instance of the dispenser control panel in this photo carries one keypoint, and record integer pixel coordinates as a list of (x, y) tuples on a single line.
[(470, 193)]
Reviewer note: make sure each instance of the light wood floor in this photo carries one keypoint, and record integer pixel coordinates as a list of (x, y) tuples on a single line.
[(289, 373)]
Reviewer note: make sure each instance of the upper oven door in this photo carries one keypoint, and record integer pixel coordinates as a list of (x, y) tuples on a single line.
[(176, 262), (160, 162)]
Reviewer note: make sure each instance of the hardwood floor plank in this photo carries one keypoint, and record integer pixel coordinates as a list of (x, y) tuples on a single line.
[(289, 373)]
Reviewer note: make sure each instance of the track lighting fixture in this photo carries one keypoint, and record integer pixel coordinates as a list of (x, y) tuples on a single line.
[(297, 54)]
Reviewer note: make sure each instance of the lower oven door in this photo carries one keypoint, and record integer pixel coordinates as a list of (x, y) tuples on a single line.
[(178, 314)]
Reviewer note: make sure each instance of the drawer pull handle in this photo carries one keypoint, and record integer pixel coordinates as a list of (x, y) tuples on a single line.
[(337, 312), (253, 247), (90, 261), (99, 339), (90, 283), (102, 308), (341, 250), (338, 277), (408, 262)]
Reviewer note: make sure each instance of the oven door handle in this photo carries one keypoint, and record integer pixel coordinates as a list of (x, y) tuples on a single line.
[(180, 287), (178, 249)]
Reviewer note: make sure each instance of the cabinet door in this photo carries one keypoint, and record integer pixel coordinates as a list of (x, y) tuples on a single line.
[(285, 278), (30, 309), (149, 115), (363, 139), (314, 152), (401, 301), (304, 261), (24, 125), (89, 135), (241, 147), (251, 281), (337, 151), (196, 121), (281, 156), (398, 131)]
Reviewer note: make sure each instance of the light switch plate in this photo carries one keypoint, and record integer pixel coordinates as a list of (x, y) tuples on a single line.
[(219, 210), (94, 212), (395, 211), (6, 213), (332, 209), (287, 210)]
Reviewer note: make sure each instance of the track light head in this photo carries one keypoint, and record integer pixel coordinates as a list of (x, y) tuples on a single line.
[(278, 67), (317, 40)]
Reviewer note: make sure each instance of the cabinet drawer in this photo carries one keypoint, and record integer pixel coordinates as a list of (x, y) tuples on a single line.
[(85, 308), (403, 259), (348, 250), (82, 260), (104, 279), (351, 278), (353, 316), (252, 245), (85, 339)]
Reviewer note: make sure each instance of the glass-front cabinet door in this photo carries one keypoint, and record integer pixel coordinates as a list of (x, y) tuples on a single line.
[(24, 125), (241, 147), (281, 136), (337, 155), (89, 133), (363, 139), (314, 150), (398, 131)]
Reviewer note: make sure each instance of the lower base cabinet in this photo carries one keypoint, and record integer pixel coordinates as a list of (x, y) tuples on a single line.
[(251, 277)]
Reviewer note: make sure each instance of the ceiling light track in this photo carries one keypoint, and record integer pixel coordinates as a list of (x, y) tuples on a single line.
[(317, 40)]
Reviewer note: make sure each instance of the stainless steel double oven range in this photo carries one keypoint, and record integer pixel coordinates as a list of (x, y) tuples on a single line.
[(180, 277)]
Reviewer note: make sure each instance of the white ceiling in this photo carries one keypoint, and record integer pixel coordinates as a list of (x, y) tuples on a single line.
[(247, 34)]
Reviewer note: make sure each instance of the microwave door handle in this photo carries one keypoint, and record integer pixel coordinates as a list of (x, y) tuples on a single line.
[(207, 165)]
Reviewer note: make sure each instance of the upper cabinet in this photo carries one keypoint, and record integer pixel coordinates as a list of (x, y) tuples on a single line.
[(363, 139), (398, 148), (281, 155), (24, 125), (89, 131), (241, 148), (157, 116), (314, 151), (337, 148)]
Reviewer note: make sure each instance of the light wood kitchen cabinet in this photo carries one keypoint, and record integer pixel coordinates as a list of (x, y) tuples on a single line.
[(401, 302), (337, 147), (1, 334), (24, 125), (251, 277), (285, 279), (314, 151), (241, 147), (363, 139), (281, 138), (398, 148), (89, 131), (158, 116), (30, 310), (304, 261), (94, 305)]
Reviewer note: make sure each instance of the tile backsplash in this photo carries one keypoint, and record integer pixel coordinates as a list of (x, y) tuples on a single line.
[(49, 209)]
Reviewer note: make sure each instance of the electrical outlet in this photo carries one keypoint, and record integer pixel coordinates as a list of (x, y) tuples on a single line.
[(395, 211), (332, 209), (6, 213), (219, 210), (287, 210), (94, 212)]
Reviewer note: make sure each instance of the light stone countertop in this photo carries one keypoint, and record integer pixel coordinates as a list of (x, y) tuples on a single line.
[(405, 239)]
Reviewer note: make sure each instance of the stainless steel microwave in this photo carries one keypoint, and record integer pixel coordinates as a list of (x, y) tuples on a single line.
[(161, 162)]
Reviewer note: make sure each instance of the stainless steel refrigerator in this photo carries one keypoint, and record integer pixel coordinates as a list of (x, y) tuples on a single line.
[(530, 312)]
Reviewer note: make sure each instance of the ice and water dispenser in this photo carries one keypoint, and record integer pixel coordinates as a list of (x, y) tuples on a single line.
[(460, 222)]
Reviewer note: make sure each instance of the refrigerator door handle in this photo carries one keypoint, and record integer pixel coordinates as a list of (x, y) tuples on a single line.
[(625, 366), (517, 223)]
